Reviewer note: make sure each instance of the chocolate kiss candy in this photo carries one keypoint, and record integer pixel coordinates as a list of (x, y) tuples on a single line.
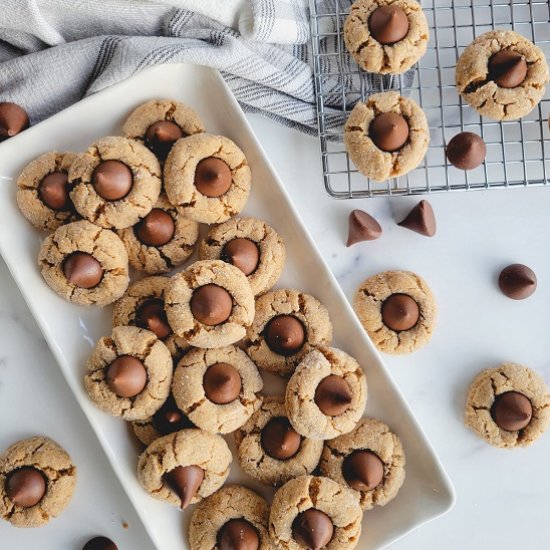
[(83, 270), (400, 312), (156, 229), (211, 304), (126, 376), (517, 281), (151, 316), (421, 219), (13, 119), (185, 482), (333, 395), (388, 24), (26, 486), (507, 68), (213, 177), (389, 131), (362, 227), (279, 439), (284, 334), (312, 529), (222, 383), (169, 419), (112, 180), (363, 470), (100, 543), (242, 253), (53, 191), (160, 137), (512, 411), (466, 151), (238, 534)]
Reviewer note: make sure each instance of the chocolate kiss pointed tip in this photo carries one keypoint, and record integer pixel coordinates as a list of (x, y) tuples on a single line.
[(421, 219), (185, 482), (362, 227)]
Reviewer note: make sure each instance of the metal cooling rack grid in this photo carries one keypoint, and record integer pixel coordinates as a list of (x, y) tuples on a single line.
[(517, 150)]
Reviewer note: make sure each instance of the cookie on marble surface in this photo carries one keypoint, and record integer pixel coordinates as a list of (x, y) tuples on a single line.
[(218, 389), (251, 245), (386, 136), (502, 75), (210, 304), (160, 241), (326, 395), (85, 264), (184, 467), (207, 178), (43, 191), (315, 512), (159, 123), (129, 373), (287, 325), (115, 182), (386, 36), (508, 406), (397, 309), (37, 481), (143, 306), (370, 460), (269, 448), (233, 517)]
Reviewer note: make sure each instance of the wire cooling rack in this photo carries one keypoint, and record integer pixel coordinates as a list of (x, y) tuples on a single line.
[(517, 151)]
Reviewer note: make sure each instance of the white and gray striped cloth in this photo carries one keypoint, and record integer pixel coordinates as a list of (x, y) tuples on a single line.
[(54, 52)]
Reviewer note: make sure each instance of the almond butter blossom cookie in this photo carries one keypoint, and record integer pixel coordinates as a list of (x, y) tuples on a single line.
[(43, 191), (207, 178), (115, 182), (129, 373), (210, 304)]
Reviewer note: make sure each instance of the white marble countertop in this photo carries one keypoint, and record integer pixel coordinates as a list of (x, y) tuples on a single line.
[(503, 496)]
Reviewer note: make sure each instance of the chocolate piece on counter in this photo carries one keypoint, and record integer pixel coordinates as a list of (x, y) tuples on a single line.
[(400, 312), (279, 439), (333, 395), (26, 486), (83, 270), (222, 383), (312, 529), (155, 229), (160, 137), (238, 534), (100, 543), (151, 316), (169, 419), (517, 281), (421, 219), (126, 376), (362, 227), (213, 177), (53, 191), (185, 482), (112, 180), (466, 151), (13, 119), (211, 304), (389, 131), (363, 470), (512, 411), (242, 253), (285, 334), (507, 68), (388, 24)]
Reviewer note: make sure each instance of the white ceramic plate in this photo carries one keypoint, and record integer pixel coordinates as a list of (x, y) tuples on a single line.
[(71, 331)]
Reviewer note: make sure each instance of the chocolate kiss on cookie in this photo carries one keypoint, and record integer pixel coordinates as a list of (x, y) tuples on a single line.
[(160, 137), (112, 180), (238, 534), (211, 304), (185, 482), (222, 383), (517, 281), (213, 177), (13, 119), (155, 229), (362, 227), (389, 131), (400, 312), (363, 470), (53, 191), (279, 439), (26, 486), (333, 395), (388, 24), (82, 270), (507, 68), (126, 376), (151, 316), (512, 411), (312, 529), (169, 419), (242, 253), (421, 219), (285, 334), (100, 543)]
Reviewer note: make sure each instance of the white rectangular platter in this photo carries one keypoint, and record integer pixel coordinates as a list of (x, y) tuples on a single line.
[(71, 331)]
